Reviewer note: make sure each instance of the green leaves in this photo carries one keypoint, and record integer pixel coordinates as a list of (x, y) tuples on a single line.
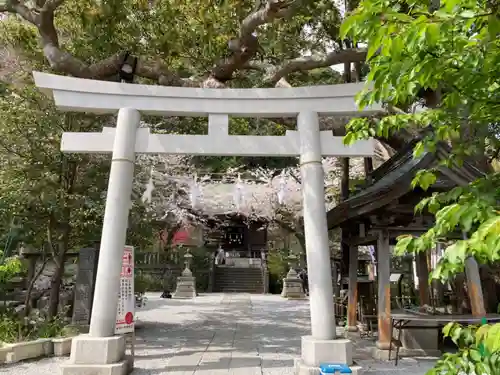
[(478, 351), (449, 58), (9, 268), (468, 210), (425, 179)]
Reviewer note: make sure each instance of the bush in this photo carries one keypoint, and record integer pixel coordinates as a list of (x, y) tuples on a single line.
[(478, 350), (147, 283), (277, 265), (14, 329), (9, 268)]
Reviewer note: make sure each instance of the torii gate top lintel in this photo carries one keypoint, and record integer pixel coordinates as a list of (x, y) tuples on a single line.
[(76, 94)]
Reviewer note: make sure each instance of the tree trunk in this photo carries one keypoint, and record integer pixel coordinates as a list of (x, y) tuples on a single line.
[(29, 291), (55, 282), (55, 287)]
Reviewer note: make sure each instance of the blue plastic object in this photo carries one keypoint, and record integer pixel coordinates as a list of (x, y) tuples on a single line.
[(332, 368)]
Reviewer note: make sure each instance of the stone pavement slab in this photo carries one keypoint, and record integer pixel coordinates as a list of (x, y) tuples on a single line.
[(237, 334)]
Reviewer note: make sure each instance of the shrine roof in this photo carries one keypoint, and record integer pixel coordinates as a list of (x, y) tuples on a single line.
[(392, 180)]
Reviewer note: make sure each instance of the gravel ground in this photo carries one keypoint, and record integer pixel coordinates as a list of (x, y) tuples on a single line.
[(224, 334)]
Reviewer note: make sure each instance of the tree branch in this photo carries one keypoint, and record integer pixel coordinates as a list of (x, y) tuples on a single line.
[(20, 8), (246, 46), (52, 5), (314, 62), (243, 48)]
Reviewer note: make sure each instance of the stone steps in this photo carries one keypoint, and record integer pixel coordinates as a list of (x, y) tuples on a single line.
[(238, 280)]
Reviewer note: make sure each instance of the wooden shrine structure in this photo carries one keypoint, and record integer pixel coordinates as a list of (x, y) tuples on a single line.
[(235, 232), (383, 210)]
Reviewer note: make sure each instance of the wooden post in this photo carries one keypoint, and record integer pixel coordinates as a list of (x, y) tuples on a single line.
[(368, 166), (474, 288), (384, 291), (352, 319), (423, 278), (344, 195), (335, 276), (436, 285)]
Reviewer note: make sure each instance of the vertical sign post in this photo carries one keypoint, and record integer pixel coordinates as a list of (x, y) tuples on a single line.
[(126, 303)]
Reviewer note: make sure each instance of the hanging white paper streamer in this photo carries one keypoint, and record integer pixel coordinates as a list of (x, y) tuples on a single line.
[(195, 193), (147, 196), (238, 193), (281, 191)]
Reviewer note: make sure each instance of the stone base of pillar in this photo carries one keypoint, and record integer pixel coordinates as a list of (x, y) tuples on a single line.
[(383, 354), (292, 289), (186, 286), (317, 352), (352, 328), (97, 355), (292, 286)]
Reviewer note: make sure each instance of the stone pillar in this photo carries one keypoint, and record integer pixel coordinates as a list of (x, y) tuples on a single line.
[(292, 284), (84, 287), (186, 283), (321, 347), (423, 278), (384, 296), (352, 319), (101, 351), (114, 229)]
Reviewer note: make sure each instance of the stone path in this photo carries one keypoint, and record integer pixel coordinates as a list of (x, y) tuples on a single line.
[(225, 334)]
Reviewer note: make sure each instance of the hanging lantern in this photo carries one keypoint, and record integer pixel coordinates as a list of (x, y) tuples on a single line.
[(238, 193), (147, 196), (281, 191), (195, 192)]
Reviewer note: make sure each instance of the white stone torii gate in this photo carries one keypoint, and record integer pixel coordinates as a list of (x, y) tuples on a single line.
[(101, 350)]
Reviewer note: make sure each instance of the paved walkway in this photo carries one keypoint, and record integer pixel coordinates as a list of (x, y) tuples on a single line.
[(225, 334)]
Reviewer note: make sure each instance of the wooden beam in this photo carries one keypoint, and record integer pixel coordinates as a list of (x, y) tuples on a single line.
[(359, 241), (401, 229)]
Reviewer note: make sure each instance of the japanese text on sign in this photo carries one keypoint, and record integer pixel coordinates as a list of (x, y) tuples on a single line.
[(126, 299)]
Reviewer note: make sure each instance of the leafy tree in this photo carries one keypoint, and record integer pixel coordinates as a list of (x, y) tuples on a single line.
[(207, 43), (447, 59), (264, 43), (56, 198), (443, 57)]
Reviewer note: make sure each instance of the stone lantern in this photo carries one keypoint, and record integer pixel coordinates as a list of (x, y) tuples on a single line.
[(188, 258), (186, 283), (292, 264), (292, 284)]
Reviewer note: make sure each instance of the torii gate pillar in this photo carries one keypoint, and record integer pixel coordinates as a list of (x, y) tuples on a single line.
[(102, 352)]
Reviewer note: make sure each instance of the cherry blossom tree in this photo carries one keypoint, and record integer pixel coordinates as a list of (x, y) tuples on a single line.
[(175, 193)]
